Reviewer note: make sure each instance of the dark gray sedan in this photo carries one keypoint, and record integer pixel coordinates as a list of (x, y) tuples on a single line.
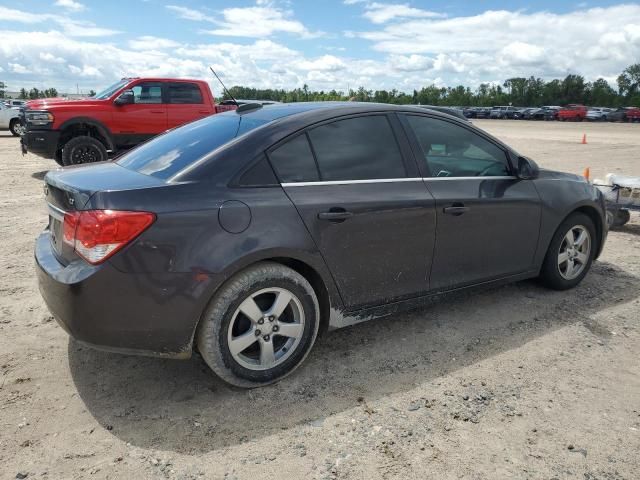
[(247, 233)]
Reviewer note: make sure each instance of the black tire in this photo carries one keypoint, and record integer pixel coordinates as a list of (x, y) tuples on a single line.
[(14, 127), (550, 274), (83, 149), (214, 328)]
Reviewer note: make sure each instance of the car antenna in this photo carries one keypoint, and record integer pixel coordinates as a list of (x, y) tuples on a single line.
[(224, 88)]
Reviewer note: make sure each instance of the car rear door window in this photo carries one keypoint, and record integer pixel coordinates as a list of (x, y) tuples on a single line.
[(294, 162), (184, 93), (451, 150), (360, 148)]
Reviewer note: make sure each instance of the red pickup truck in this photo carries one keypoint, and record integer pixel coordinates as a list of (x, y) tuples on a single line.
[(574, 112), (120, 117)]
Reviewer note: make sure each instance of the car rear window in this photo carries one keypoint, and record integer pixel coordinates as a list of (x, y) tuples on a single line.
[(166, 155)]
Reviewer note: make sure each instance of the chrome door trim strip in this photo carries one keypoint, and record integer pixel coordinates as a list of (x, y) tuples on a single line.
[(505, 177), (351, 182), (56, 212), (390, 180)]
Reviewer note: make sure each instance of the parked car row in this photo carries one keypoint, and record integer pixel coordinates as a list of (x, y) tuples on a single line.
[(572, 112)]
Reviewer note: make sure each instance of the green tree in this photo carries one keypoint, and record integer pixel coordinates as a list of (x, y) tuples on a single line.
[(2, 89), (23, 94)]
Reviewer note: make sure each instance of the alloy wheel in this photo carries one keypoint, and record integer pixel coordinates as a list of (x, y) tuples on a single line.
[(266, 328), (88, 154), (574, 252)]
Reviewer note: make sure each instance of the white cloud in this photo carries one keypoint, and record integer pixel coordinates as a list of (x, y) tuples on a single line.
[(260, 21), (385, 12), (75, 28), (70, 5), (18, 68), (56, 51), (500, 44), (148, 42)]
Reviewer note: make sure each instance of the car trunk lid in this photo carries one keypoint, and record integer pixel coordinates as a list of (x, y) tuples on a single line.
[(69, 189)]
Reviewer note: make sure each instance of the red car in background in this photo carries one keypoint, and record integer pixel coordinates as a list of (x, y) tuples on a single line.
[(572, 112), (120, 117)]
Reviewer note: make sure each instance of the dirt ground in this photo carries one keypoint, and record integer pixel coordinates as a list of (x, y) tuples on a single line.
[(516, 382)]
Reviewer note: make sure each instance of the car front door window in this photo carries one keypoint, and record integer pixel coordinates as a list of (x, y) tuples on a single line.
[(450, 150)]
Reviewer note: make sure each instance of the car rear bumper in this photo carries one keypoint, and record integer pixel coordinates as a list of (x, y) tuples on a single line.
[(143, 314), (40, 142)]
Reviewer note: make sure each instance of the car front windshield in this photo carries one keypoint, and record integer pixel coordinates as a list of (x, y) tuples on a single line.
[(110, 90)]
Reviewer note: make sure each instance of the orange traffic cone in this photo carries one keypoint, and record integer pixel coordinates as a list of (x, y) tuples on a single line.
[(587, 173), (584, 139)]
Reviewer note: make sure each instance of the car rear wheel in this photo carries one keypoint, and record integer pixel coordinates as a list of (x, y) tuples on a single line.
[(570, 253), (260, 326), (16, 128), (83, 149)]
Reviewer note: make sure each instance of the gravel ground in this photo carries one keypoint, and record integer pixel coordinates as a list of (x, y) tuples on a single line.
[(514, 382)]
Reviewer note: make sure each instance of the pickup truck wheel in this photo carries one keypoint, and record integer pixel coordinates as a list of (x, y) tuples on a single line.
[(83, 149), (260, 325), (16, 128), (570, 253)]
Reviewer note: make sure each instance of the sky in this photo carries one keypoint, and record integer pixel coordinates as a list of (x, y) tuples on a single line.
[(78, 45)]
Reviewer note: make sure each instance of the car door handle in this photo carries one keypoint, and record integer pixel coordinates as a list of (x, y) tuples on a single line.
[(335, 216), (157, 111), (456, 209)]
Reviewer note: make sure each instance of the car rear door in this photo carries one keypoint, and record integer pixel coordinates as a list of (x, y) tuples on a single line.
[(146, 117), (185, 103), (488, 220), (361, 198)]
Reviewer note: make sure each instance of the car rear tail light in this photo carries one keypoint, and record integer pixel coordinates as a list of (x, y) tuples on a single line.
[(97, 234)]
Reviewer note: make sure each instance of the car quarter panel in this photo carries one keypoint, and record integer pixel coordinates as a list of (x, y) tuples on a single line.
[(187, 236)]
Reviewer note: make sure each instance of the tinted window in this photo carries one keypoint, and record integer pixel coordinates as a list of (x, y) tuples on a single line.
[(148, 92), (184, 93), (294, 161), (168, 154), (357, 149), (259, 174), (454, 151)]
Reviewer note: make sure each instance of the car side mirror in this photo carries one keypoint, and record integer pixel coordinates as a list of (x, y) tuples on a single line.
[(125, 98), (527, 169)]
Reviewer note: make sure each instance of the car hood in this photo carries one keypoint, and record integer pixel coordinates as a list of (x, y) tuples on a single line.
[(54, 103)]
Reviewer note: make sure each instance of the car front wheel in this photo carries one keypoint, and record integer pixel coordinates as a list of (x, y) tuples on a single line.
[(16, 128), (260, 325), (570, 253), (83, 149)]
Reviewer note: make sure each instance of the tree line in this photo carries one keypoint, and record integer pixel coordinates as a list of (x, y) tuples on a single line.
[(517, 91)]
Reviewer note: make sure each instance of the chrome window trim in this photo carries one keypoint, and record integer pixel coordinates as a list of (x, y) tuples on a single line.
[(390, 180), (351, 182)]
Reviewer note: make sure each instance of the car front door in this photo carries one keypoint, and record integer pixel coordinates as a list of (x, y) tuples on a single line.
[(142, 119), (185, 103), (365, 205), (488, 219)]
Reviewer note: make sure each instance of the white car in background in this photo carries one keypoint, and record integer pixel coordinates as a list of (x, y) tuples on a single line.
[(596, 114), (10, 120)]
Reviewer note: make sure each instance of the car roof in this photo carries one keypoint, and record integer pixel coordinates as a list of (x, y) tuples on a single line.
[(268, 113)]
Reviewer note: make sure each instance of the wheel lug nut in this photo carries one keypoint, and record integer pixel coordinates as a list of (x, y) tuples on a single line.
[(258, 333), (261, 321), (275, 328), (271, 318), (266, 338)]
